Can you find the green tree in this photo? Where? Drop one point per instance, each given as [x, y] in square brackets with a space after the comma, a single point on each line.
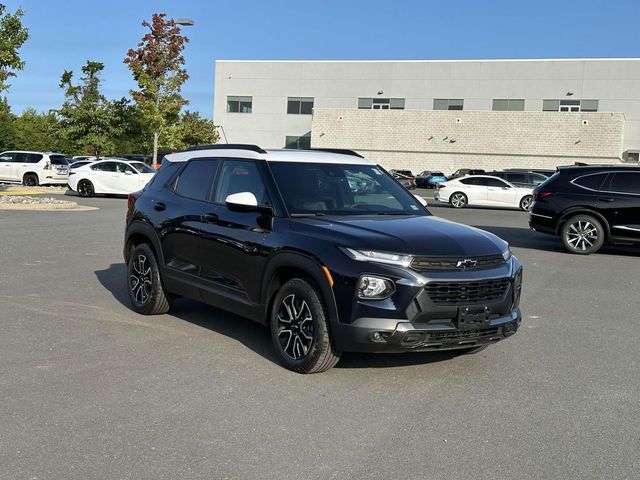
[7, 126]
[191, 130]
[158, 68]
[37, 131]
[12, 36]
[88, 120]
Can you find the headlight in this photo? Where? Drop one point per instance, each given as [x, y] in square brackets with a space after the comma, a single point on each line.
[506, 254]
[374, 288]
[379, 257]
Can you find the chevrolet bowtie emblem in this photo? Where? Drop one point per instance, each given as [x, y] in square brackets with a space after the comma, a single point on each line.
[466, 263]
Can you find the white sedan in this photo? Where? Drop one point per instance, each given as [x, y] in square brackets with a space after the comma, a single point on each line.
[483, 190]
[111, 176]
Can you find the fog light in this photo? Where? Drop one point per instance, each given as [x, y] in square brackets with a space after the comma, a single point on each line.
[380, 337]
[374, 288]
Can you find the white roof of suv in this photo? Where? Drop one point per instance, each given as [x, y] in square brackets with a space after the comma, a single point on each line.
[273, 155]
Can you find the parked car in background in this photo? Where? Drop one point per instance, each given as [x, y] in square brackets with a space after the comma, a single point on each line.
[278, 237]
[406, 173]
[588, 206]
[117, 177]
[430, 178]
[80, 158]
[407, 182]
[542, 171]
[33, 168]
[520, 179]
[483, 190]
[461, 172]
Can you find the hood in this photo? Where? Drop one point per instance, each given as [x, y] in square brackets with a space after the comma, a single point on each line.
[414, 235]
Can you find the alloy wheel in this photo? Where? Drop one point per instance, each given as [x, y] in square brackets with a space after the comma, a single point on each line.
[85, 189]
[295, 327]
[526, 203]
[140, 280]
[582, 235]
[458, 200]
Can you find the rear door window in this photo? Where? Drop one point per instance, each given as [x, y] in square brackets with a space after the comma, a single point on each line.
[20, 157]
[104, 167]
[7, 157]
[627, 182]
[591, 182]
[496, 182]
[197, 178]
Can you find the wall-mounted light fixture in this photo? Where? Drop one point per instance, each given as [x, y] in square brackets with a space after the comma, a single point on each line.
[380, 92]
[569, 93]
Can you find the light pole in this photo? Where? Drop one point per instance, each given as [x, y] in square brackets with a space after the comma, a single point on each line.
[185, 22]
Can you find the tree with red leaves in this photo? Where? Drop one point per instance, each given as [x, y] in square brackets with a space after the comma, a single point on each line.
[158, 68]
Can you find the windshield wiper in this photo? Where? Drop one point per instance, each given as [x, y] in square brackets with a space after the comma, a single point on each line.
[303, 215]
[394, 213]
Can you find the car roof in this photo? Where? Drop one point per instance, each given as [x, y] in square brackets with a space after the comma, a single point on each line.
[273, 155]
[596, 168]
[32, 151]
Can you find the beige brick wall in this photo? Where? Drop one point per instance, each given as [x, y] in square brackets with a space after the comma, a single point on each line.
[448, 140]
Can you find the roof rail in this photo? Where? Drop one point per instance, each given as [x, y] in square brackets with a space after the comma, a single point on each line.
[343, 151]
[226, 146]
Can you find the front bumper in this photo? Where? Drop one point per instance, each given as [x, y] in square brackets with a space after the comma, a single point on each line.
[391, 336]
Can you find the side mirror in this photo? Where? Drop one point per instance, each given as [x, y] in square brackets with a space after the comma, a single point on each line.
[422, 201]
[245, 202]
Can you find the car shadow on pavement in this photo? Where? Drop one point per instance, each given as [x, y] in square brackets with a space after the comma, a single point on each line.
[251, 334]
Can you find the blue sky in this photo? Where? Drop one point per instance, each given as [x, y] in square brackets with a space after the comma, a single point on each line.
[64, 34]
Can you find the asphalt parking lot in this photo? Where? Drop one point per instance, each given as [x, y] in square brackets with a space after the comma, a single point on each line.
[89, 389]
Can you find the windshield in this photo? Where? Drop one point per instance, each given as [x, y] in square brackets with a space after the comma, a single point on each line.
[335, 189]
[142, 167]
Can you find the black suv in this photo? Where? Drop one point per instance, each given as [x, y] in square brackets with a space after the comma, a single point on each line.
[588, 206]
[284, 238]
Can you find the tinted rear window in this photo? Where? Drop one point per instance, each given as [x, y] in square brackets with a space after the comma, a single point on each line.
[57, 160]
[592, 182]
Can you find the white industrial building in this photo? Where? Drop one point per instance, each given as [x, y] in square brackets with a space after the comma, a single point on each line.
[437, 114]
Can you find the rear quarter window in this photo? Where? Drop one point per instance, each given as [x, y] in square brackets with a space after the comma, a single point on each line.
[591, 182]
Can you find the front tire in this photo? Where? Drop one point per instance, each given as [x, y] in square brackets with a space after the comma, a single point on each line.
[458, 200]
[85, 188]
[300, 330]
[525, 203]
[144, 284]
[583, 235]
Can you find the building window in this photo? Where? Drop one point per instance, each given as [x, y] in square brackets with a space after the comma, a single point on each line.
[448, 103]
[570, 105]
[508, 105]
[302, 142]
[239, 104]
[300, 105]
[381, 103]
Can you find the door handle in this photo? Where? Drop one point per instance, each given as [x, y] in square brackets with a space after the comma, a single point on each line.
[608, 200]
[159, 207]
[211, 218]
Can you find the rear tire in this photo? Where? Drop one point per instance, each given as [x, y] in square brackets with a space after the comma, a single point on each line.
[300, 330]
[582, 235]
[30, 180]
[458, 200]
[144, 284]
[525, 203]
[85, 188]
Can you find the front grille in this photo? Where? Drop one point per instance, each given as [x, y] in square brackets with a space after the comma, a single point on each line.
[466, 293]
[452, 264]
